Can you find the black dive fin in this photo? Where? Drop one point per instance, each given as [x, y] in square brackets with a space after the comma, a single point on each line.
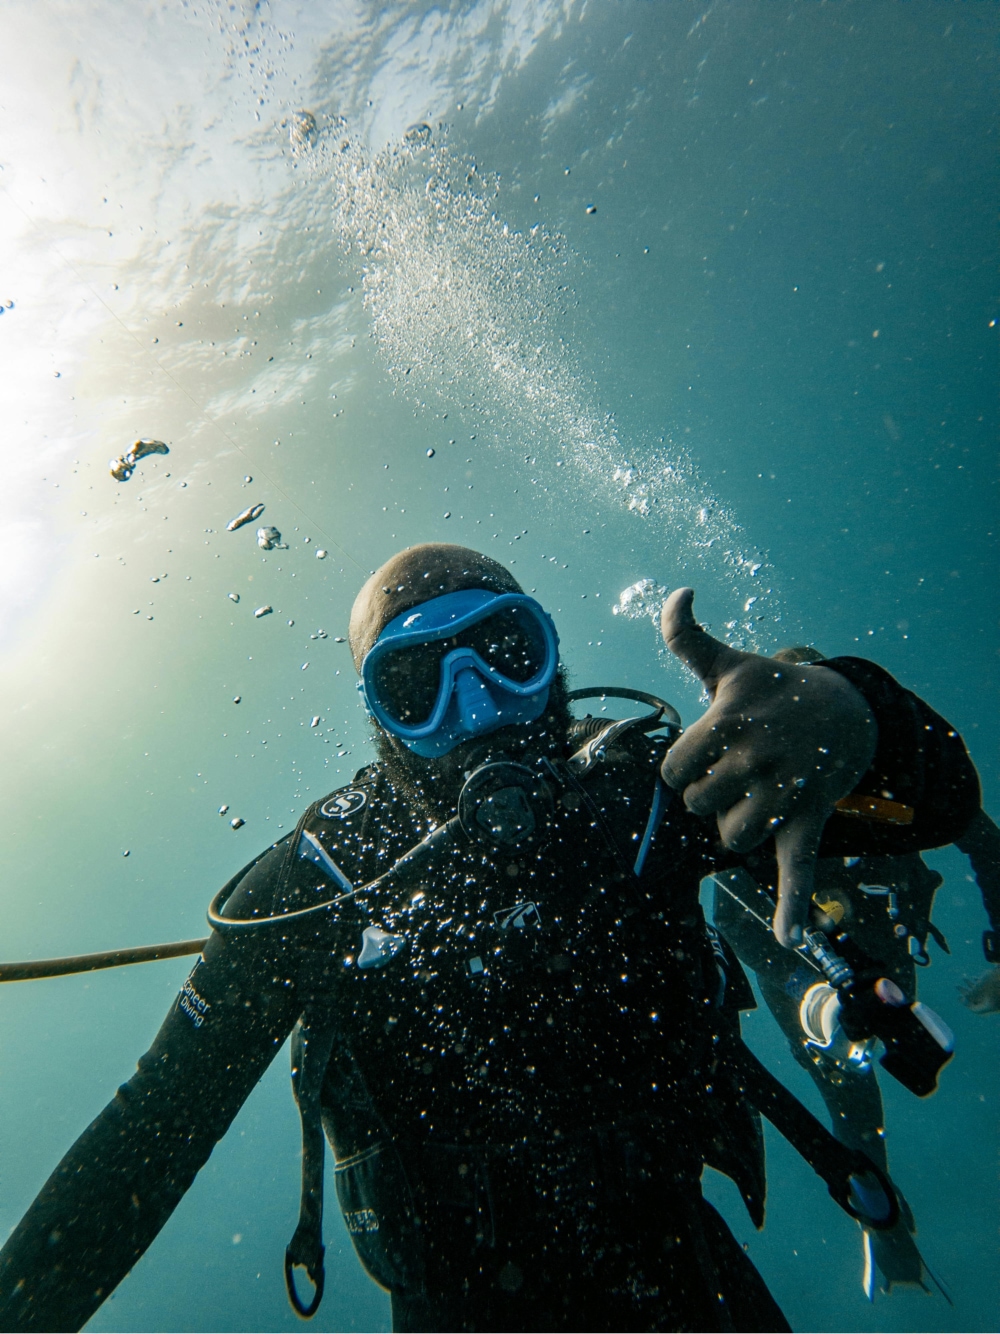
[895, 1256]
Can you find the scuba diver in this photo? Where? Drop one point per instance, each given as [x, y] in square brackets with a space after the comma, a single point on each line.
[884, 901]
[509, 1018]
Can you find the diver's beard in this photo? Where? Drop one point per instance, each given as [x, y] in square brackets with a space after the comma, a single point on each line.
[431, 786]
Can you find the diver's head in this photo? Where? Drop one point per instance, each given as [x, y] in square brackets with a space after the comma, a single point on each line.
[799, 654]
[414, 576]
[455, 660]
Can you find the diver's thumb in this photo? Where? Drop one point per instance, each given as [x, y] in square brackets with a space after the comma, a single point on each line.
[707, 657]
[795, 845]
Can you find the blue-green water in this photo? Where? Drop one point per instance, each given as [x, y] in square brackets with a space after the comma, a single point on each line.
[765, 365]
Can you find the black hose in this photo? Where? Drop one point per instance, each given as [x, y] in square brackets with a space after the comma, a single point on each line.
[86, 963]
[660, 706]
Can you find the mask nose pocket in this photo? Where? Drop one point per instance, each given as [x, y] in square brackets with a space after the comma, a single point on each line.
[377, 1206]
[476, 707]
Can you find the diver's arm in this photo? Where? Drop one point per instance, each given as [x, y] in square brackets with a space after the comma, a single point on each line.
[119, 1183]
[920, 762]
[981, 844]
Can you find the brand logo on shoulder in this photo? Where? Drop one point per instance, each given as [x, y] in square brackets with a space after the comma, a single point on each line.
[520, 916]
[342, 805]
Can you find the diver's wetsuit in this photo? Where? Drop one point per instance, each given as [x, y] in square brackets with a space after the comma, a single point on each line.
[520, 1100]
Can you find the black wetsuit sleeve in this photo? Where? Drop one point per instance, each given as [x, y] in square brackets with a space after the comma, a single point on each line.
[920, 761]
[119, 1183]
[981, 844]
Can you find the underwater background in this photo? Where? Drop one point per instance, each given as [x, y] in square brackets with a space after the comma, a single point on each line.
[628, 295]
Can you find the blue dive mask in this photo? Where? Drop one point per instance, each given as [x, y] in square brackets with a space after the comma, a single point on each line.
[460, 666]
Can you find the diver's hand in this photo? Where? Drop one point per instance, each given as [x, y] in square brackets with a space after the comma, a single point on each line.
[778, 747]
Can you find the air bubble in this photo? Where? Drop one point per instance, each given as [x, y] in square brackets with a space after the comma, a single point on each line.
[643, 598]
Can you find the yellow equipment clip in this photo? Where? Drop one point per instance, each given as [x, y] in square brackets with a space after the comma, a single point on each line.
[875, 808]
[833, 908]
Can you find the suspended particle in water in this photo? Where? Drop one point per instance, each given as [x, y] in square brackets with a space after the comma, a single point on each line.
[233, 597]
[237, 699]
[247, 516]
[340, 640]
[126, 853]
[591, 208]
[321, 554]
[263, 611]
[269, 538]
[123, 466]
[248, 479]
[447, 514]
[418, 134]
[430, 453]
[224, 809]
[315, 721]
[237, 823]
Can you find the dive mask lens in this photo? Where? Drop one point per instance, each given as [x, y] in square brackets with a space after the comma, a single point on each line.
[512, 642]
[407, 681]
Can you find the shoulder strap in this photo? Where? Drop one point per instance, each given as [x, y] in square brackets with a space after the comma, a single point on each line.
[312, 1042]
[847, 1172]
